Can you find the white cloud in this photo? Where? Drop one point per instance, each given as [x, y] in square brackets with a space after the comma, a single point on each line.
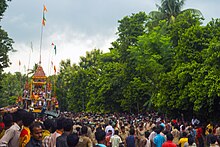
[69, 44]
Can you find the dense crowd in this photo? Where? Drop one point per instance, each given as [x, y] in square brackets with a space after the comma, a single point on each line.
[23, 129]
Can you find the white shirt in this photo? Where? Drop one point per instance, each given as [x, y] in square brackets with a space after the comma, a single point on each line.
[115, 141]
[11, 136]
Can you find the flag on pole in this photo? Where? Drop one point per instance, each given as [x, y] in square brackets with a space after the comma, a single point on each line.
[55, 69]
[55, 48]
[44, 20]
[45, 8]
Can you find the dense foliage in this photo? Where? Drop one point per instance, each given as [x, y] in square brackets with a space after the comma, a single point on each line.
[169, 67]
[5, 41]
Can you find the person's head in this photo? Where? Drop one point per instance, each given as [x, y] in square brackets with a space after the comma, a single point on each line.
[109, 132]
[28, 119]
[132, 131]
[7, 120]
[158, 130]
[84, 130]
[36, 130]
[116, 132]
[59, 122]
[213, 139]
[210, 131]
[169, 137]
[190, 140]
[67, 125]
[100, 136]
[72, 140]
[146, 134]
[184, 134]
[48, 124]
[154, 128]
[17, 116]
[183, 127]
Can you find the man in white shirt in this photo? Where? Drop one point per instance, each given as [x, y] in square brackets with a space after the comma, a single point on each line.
[115, 139]
[109, 127]
[11, 136]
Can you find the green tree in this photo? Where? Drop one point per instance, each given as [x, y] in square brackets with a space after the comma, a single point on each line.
[169, 10]
[12, 86]
[5, 41]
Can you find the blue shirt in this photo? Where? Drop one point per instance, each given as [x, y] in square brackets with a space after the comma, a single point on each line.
[130, 141]
[101, 145]
[159, 140]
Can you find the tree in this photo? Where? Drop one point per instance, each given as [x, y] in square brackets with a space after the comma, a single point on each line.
[12, 87]
[130, 27]
[169, 10]
[5, 41]
[191, 86]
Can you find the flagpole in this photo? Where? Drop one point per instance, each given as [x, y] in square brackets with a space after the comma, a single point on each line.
[42, 25]
[29, 61]
[41, 40]
[49, 62]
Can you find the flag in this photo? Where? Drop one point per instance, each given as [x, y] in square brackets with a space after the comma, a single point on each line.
[44, 20]
[19, 63]
[55, 70]
[55, 49]
[45, 9]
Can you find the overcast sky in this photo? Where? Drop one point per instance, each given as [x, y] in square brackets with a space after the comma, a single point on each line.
[75, 26]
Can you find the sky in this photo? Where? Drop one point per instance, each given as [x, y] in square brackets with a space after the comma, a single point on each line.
[74, 26]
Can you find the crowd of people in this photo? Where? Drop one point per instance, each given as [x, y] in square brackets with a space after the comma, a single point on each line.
[23, 129]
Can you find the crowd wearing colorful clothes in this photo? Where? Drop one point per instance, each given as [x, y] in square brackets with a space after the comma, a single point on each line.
[23, 129]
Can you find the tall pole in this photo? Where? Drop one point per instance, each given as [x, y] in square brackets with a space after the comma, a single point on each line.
[41, 40]
[42, 25]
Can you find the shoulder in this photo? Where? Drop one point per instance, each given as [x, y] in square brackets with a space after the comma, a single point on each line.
[24, 132]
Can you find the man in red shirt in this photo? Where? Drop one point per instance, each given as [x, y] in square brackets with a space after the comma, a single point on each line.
[169, 142]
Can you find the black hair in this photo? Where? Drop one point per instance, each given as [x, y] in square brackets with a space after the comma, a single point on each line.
[190, 140]
[132, 131]
[84, 130]
[169, 136]
[59, 123]
[28, 119]
[67, 124]
[72, 140]
[116, 132]
[158, 130]
[183, 128]
[184, 134]
[35, 125]
[7, 119]
[100, 135]
[48, 124]
[17, 116]
[146, 134]
[213, 139]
